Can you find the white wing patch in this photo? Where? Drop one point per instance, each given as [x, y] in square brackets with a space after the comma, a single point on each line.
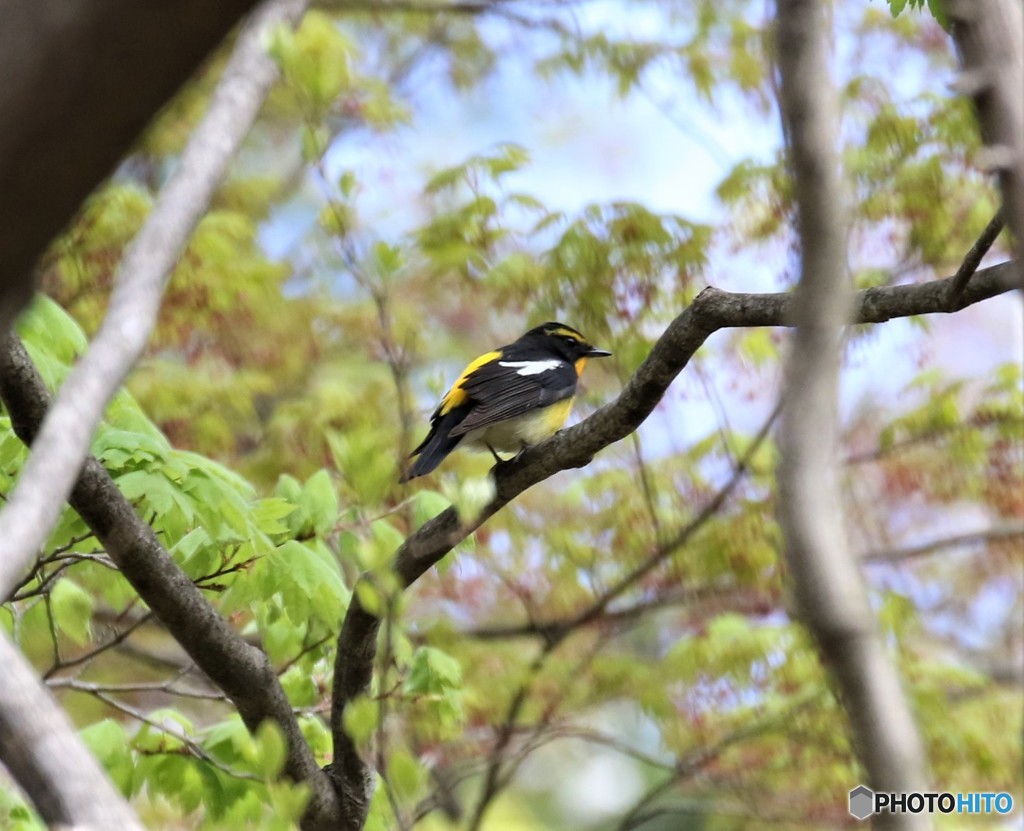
[531, 367]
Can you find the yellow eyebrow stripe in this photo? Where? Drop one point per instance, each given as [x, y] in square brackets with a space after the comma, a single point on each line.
[568, 333]
[456, 395]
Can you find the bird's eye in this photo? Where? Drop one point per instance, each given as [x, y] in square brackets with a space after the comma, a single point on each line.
[569, 339]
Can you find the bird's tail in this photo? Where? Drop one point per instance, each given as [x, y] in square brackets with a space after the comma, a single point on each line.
[431, 453]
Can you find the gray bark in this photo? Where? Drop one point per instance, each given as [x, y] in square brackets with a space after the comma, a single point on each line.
[831, 596]
[42, 751]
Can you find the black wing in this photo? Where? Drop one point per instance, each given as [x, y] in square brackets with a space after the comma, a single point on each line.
[505, 389]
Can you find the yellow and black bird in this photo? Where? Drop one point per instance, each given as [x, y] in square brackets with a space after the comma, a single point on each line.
[511, 398]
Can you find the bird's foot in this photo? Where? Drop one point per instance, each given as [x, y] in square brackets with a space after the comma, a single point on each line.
[497, 459]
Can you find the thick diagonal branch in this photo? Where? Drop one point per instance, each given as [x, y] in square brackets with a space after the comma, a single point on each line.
[831, 595]
[575, 447]
[242, 671]
[36, 501]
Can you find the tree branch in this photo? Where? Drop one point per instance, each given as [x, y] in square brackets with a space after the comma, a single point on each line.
[698, 603]
[712, 310]
[242, 671]
[989, 36]
[50, 472]
[40, 748]
[829, 589]
[1005, 531]
[974, 257]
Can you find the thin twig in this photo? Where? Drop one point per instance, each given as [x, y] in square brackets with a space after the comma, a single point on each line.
[974, 257]
[691, 763]
[686, 533]
[998, 532]
[194, 748]
[119, 637]
[505, 732]
[164, 687]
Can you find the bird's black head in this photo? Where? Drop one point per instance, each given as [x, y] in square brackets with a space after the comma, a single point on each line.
[564, 340]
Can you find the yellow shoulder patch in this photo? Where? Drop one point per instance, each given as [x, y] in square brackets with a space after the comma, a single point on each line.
[456, 395]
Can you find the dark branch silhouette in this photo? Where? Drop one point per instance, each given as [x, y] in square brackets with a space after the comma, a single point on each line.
[81, 81]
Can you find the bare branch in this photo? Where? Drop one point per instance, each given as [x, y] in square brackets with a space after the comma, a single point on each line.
[168, 687]
[974, 257]
[554, 632]
[698, 603]
[63, 442]
[506, 731]
[830, 593]
[989, 36]
[40, 748]
[999, 532]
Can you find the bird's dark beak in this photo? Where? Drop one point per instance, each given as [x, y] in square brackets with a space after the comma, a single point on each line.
[598, 353]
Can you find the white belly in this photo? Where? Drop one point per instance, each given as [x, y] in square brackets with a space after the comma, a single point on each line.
[523, 431]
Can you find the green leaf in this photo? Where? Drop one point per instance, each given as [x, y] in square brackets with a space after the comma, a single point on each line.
[406, 776]
[290, 490]
[272, 749]
[321, 502]
[299, 686]
[361, 718]
[46, 323]
[427, 505]
[184, 549]
[288, 802]
[316, 735]
[72, 610]
[309, 581]
[106, 740]
[370, 598]
[268, 513]
[226, 738]
[432, 671]
[386, 541]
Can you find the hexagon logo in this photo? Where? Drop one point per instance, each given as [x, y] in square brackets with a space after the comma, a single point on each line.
[862, 802]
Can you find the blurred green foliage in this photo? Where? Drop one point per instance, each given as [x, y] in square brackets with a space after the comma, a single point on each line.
[263, 434]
